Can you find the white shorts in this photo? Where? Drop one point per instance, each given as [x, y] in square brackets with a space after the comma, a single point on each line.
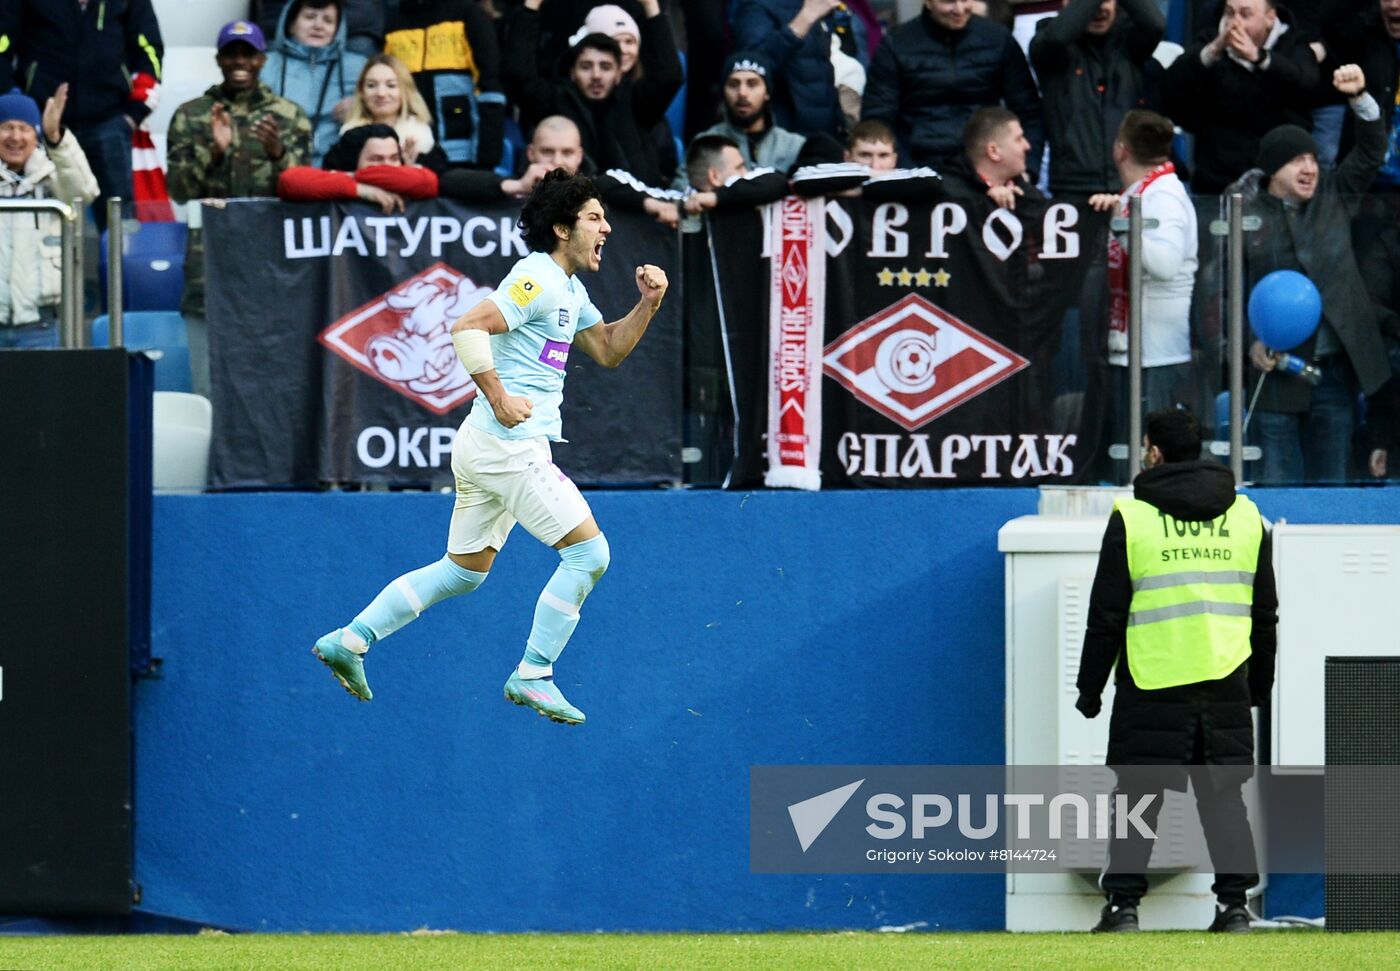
[504, 481]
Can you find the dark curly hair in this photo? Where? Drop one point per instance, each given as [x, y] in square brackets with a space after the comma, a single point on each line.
[555, 201]
[1176, 432]
[593, 42]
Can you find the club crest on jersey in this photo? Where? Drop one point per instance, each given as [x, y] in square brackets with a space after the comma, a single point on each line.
[523, 290]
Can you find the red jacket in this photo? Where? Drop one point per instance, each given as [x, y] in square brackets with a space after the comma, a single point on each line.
[302, 183]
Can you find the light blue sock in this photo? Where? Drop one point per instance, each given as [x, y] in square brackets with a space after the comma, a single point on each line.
[556, 612]
[411, 594]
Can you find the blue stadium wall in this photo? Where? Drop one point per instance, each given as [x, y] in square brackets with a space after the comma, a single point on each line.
[732, 630]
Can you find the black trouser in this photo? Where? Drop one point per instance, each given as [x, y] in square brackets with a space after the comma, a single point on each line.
[1220, 806]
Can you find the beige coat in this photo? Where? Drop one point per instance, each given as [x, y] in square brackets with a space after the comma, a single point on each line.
[30, 254]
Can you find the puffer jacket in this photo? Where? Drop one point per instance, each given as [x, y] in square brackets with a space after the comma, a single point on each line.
[30, 254]
[803, 86]
[1159, 727]
[451, 48]
[315, 78]
[925, 83]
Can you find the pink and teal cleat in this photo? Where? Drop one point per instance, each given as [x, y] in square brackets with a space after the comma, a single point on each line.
[347, 666]
[543, 695]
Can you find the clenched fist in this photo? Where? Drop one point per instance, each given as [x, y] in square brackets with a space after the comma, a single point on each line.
[652, 284]
[1349, 80]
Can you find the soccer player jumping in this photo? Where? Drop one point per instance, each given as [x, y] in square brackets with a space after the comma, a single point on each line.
[515, 344]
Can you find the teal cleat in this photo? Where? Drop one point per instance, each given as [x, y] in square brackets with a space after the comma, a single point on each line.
[347, 666]
[543, 695]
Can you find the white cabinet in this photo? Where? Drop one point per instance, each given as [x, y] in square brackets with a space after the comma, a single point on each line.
[1050, 564]
[1338, 587]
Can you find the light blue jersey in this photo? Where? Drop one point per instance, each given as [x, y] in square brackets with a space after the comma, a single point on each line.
[544, 308]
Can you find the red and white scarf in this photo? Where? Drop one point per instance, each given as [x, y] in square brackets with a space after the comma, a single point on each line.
[796, 312]
[1118, 267]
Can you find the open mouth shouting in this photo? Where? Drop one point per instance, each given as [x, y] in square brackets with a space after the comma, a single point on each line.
[1390, 17]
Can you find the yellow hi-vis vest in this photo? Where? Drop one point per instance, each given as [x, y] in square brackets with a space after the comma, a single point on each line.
[1193, 592]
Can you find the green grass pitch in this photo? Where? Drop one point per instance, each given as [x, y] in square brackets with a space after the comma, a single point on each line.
[1260, 951]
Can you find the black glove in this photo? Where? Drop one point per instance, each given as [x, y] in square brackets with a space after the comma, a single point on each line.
[1089, 705]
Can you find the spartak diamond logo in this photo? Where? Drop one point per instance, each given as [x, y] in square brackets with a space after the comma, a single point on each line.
[794, 273]
[402, 337]
[914, 361]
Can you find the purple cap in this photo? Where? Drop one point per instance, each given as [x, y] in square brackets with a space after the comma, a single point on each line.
[241, 30]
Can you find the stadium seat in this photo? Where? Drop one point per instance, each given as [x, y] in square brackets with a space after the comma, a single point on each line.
[506, 169]
[162, 332]
[154, 266]
[182, 427]
[513, 149]
[675, 113]
[192, 22]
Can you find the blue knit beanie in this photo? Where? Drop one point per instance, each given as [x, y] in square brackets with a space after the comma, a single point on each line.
[15, 105]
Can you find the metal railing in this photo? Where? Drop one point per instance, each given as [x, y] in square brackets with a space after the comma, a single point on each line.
[115, 247]
[70, 320]
[71, 329]
[1235, 319]
[1230, 230]
[1135, 416]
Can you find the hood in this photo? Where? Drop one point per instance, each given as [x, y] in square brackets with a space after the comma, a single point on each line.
[958, 168]
[37, 168]
[1282, 21]
[1250, 185]
[291, 48]
[1192, 491]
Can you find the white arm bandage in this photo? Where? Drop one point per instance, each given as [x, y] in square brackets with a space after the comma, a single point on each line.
[474, 350]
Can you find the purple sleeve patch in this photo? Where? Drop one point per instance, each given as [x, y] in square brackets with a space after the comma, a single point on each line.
[555, 354]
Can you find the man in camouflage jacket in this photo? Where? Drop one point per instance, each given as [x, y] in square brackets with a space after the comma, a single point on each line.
[232, 142]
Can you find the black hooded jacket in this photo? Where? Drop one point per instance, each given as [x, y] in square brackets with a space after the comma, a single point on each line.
[1159, 727]
[1229, 107]
[925, 82]
[616, 132]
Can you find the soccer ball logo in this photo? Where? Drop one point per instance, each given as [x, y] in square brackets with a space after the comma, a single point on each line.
[905, 361]
[913, 361]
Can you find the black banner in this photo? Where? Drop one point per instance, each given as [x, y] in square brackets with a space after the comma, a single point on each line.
[956, 348]
[331, 362]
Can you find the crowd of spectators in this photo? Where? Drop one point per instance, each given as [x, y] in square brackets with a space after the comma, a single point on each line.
[389, 100]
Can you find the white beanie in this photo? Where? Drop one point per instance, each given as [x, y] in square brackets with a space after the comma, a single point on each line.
[612, 20]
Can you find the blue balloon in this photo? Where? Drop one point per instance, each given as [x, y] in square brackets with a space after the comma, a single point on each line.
[1284, 309]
